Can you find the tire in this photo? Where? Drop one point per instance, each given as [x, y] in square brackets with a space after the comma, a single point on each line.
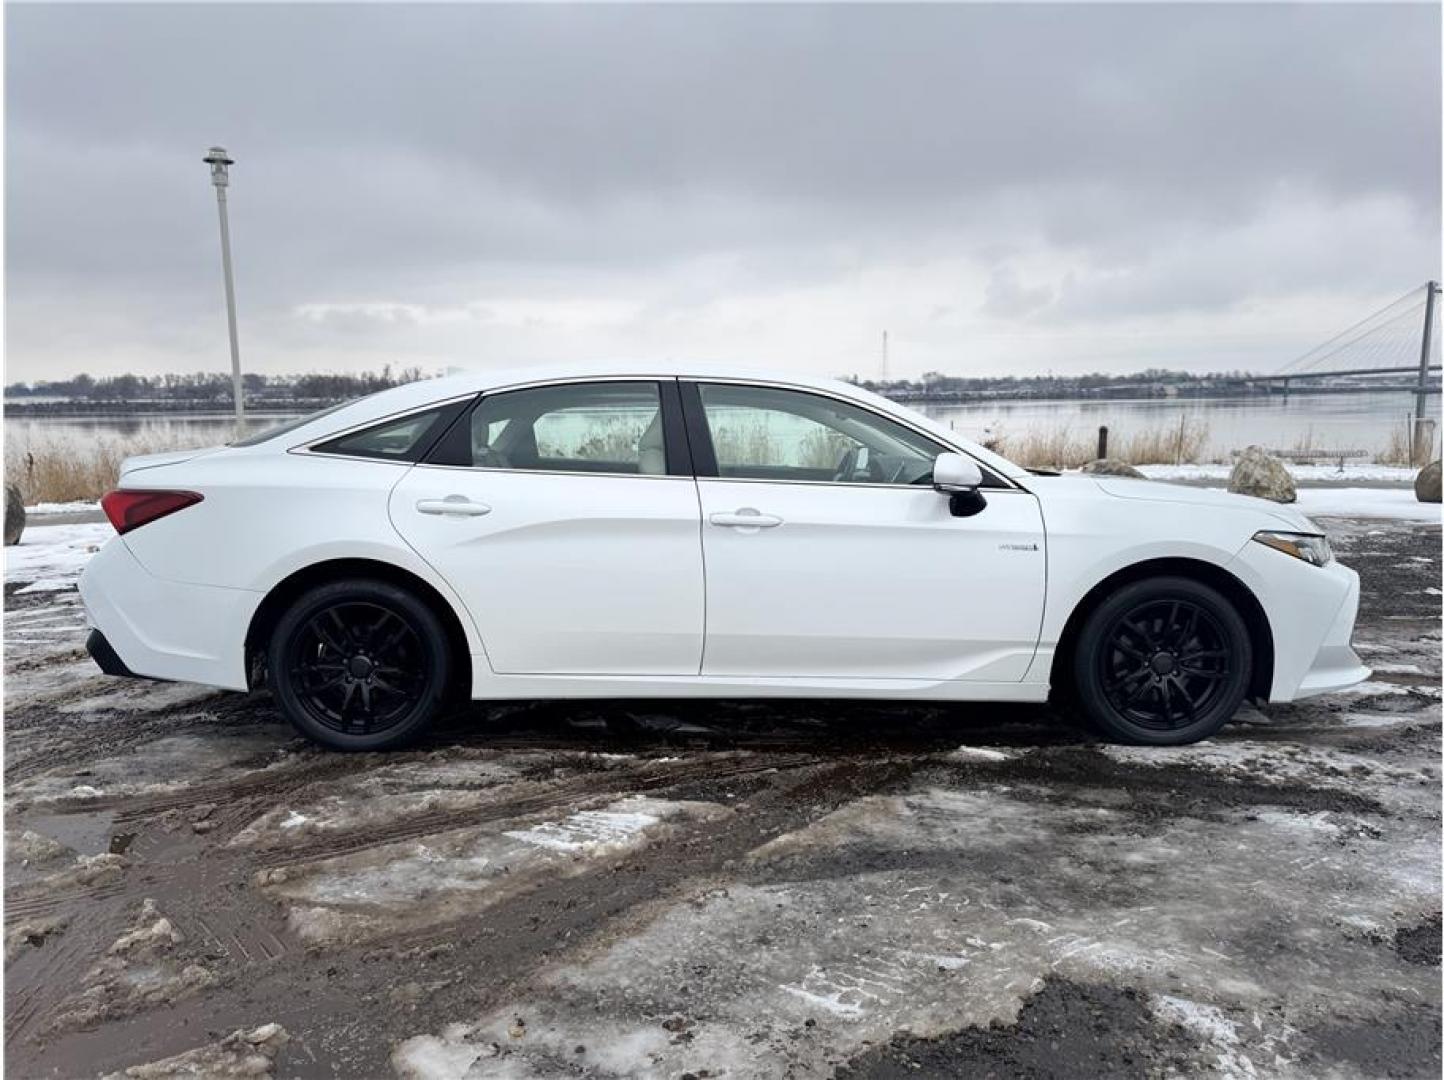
[1162, 662]
[359, 665]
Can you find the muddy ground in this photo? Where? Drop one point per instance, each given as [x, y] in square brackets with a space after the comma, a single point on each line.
[727, 889]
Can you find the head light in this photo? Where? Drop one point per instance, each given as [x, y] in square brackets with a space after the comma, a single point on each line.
[1311, 548]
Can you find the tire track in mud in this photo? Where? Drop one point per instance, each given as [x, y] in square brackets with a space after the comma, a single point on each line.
[573, 794]
[77, 738]
[244, 929]
[507, 941]
[38, 983]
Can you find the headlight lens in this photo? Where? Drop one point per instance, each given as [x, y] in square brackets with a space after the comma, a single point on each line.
[1311, 548]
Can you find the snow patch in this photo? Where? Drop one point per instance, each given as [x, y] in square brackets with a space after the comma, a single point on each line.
[586, 830]
[1355, 472]
[55, 554]
[978, 753]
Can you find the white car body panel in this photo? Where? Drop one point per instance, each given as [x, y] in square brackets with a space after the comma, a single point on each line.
[584, 585]
[869, 581]
[567, 574]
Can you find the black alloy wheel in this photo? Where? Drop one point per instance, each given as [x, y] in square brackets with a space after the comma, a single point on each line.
[359, 665]
[1163, 661]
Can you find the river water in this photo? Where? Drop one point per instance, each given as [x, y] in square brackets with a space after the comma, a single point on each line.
[1320, 421]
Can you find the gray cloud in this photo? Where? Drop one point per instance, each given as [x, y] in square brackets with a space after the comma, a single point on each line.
[452, 183]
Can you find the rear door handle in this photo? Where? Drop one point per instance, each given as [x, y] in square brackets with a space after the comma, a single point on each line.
[453, 506]
[746, 518]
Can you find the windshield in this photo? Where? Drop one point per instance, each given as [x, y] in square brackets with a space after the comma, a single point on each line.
[267, 434]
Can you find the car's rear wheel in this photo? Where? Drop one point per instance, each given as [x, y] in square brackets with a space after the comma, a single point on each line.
[359, 665]
[1163, 661]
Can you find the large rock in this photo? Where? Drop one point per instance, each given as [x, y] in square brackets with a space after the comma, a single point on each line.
[14, 515]
[1259, 474]
[1110, 466]
[1426, 484]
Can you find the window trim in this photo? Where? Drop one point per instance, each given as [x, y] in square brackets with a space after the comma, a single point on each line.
[674, 437]
[460, 401]
[705, 457]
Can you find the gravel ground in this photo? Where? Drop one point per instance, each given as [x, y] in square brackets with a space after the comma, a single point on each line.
[727, 889]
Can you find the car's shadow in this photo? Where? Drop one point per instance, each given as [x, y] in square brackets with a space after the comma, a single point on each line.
[831, 727]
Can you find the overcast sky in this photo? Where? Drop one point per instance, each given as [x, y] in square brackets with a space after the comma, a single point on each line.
[1003, 189]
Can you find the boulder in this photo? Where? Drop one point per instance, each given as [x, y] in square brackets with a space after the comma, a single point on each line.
[1258, 473]
[1426, 484]
[14, 515]
[1108, 466]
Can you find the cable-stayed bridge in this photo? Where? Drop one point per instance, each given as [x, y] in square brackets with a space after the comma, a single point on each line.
[1394, 349]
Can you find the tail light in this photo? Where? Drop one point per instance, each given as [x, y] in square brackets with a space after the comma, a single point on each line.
[129, 510]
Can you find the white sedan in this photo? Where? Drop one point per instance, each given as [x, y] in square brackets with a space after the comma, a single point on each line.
[634, 532]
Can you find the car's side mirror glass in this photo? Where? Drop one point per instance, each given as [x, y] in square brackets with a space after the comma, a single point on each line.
[959, 478]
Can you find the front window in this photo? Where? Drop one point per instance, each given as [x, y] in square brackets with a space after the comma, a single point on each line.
[575, 427]
[765, 433]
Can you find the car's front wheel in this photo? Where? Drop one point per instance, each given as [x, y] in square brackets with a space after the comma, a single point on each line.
[1163, 661]
[359, 664]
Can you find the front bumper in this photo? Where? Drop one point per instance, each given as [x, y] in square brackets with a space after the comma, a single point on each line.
[1336, 666]
[1311, 612]
[160, 629]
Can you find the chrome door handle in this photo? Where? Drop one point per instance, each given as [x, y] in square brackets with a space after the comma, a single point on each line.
[746, 518]
[453, 506]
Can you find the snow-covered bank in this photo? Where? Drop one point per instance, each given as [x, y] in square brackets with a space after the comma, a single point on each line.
[1397, 503]
[1366, 472]
[51, 557]
[83, 506]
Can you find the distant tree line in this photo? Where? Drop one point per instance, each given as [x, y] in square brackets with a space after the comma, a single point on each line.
[1151, 381]
[214, 388]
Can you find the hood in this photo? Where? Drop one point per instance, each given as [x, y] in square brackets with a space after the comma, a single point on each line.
[151, 461]
[1156, 491]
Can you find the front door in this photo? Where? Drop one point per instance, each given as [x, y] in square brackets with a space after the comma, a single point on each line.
[829, 554]
[558, 514]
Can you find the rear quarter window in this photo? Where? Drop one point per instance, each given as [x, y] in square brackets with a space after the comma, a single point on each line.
[404, 439]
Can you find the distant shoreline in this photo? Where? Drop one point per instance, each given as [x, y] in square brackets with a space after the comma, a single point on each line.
[20, 408]
[117, 410]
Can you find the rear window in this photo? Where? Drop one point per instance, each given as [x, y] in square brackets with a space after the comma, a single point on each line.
[404, 439]
[276, 431]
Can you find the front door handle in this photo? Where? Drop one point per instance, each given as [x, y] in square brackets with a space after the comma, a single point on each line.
[453, 506]
[746, 518]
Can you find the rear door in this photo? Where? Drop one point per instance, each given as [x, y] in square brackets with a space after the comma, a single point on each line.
[829, 554]
[566, 518]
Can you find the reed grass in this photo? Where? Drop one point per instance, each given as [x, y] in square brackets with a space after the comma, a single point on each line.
[1064, 448]
[60, 471]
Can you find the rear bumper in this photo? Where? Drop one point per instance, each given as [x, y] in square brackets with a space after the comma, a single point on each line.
[147, 626]
[105, 656]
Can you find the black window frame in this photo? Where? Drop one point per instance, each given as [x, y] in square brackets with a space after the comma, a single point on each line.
[447, 413]
[453, 449]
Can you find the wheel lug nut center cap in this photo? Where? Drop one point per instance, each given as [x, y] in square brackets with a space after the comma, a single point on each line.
[359, 667]
[1163, 664]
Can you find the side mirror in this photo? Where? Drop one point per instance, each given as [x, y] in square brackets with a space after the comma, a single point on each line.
[953, 473]
[959, 478]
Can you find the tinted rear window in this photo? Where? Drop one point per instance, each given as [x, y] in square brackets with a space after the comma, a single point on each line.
[406, 438]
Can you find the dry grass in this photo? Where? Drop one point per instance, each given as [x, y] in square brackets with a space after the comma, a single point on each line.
[1176, 444]
[1396, 450]
[1406, 446]
[56, 471]
[1063, 448]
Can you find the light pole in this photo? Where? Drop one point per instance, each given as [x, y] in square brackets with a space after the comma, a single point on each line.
[220, 176]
